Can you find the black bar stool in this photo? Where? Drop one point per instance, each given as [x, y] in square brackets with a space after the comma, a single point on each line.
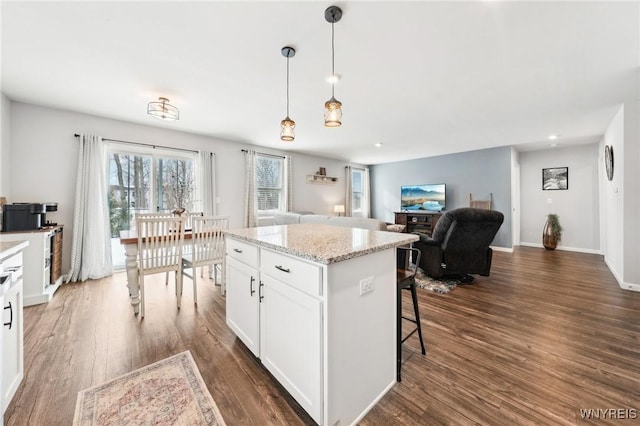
[407, 267]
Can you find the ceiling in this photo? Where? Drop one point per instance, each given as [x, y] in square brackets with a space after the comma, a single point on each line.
[422, 78]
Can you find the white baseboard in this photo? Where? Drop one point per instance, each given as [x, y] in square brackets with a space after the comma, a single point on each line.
[564, 248]
[505, 249]
[621, 283]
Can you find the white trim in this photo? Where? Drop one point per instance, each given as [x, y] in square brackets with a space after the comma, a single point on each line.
[621, 283]
[564, 248]
[504, 249]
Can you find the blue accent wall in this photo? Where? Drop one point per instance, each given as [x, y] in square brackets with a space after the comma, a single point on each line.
[480, 173]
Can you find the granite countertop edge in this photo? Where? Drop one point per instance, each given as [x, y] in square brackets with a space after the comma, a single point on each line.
[319, 259]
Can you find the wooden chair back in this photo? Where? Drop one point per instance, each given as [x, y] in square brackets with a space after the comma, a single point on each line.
[207, 239]
[160, 241]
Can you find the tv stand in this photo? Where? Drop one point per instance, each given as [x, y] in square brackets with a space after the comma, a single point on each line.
[422, 221]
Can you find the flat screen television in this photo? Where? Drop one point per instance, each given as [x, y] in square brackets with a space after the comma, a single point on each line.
[429, 197]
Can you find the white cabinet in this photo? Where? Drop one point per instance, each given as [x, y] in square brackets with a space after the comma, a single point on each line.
[13, 344]
[290, 341]
[242, 303]
[330, 342]
[38, 286]
[270, 310]
[11, 336]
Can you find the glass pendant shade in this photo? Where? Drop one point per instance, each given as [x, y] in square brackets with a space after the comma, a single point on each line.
[286, 130]
[163, 110]
[332, 113]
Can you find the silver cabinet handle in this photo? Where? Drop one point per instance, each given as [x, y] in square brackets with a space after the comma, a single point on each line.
[251, 286]
[280, 268]
[260, 291]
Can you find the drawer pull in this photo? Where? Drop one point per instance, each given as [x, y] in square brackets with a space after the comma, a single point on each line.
[251, 286]
[237, 250]
[280, 268]
[10, 323]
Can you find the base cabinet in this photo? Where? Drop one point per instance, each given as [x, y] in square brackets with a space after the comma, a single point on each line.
[13, 343]
[279, 323]
[328, 342]
[290, 333]
[243, 311]
[11, 335]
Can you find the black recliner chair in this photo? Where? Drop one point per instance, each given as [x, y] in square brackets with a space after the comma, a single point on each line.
[459, 244]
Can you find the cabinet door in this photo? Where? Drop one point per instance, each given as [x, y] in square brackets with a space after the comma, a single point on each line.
[12, 351]
[290, 346]
[243, 303]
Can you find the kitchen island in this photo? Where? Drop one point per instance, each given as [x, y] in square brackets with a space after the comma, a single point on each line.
[317, 305]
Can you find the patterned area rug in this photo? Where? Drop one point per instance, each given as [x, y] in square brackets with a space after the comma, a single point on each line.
[444, 285]
[167, 392]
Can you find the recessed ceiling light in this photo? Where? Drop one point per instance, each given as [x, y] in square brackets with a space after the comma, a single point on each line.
[553, 145]
[377, 145]
[553, 137]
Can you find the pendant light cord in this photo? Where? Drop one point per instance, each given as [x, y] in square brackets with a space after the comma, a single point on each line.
[287, 86]
[333, 54]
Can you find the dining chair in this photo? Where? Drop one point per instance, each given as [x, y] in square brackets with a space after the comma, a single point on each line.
[188, 217]
[160, 241]
[407, 268]
[206, 248]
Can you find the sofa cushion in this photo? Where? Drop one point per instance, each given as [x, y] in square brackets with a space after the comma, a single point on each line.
[287, 218]
[315, 218]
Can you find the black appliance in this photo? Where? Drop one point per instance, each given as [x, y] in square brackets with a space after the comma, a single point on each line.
[23, 216]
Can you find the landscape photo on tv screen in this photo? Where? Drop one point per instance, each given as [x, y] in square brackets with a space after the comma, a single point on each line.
[423, 197]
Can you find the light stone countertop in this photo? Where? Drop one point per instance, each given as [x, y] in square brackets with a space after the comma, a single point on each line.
[321, 243]
[11, 247]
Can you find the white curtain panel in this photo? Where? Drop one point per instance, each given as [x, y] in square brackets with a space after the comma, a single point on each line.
[366, 194]
[288, 184]
[91, 244]
[349, 191]
[207, 164]
[251, 194]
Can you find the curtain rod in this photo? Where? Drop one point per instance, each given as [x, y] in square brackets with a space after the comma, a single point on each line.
[262, 153]
[144, 144]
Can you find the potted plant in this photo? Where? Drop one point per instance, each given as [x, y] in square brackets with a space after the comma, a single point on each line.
[552, 232]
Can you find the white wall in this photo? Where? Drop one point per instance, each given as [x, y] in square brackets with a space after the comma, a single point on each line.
[576, 207]
[44, 152]
[5, 146]
[613, 197]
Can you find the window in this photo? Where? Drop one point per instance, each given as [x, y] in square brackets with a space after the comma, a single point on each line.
[269, 184]
[359, 192]
[143, 180]
[356, 192]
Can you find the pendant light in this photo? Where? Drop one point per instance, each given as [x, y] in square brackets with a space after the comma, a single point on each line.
[163, 110]
[333, 107]
[287, 125]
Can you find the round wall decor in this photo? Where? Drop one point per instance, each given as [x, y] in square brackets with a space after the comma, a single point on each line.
[608, 161]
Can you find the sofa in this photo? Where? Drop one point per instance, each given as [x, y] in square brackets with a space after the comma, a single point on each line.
[350, 222]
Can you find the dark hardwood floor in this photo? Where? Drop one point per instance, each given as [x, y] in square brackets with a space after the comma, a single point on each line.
[548, 334]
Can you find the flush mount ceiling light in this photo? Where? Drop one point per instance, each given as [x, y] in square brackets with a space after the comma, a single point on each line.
[163, 110]
[333, 107]
[287, 125]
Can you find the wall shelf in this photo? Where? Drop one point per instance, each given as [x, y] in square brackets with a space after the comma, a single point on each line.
[321, 179]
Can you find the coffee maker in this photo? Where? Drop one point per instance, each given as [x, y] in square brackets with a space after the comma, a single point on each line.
[23, 216]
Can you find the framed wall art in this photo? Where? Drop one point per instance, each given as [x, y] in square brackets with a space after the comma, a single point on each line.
[555, 178]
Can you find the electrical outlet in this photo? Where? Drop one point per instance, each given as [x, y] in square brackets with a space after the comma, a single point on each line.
[366, 285]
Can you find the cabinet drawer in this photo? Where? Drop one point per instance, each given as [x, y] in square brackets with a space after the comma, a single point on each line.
[244, 252]
[297, 273]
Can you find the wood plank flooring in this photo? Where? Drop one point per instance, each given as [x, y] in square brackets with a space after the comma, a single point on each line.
[548, 334]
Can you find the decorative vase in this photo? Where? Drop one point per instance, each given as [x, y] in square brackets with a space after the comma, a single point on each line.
[549, 241]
